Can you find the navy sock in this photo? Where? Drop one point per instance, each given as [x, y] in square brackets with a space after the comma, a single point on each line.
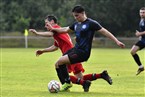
[65, 73]
[60, 76]
[137, 60]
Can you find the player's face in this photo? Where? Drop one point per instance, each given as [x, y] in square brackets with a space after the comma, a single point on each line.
[79, 16]
[46, 22]
[142, 13]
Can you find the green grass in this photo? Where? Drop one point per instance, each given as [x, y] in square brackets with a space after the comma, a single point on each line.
[24, 75]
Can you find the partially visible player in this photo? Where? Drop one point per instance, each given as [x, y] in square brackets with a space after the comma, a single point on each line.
[63, 41]
[141, 43]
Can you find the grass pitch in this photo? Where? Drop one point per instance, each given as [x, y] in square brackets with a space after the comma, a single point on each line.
[25, 75]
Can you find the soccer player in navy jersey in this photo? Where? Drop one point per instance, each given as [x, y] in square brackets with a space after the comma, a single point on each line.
[64, 43]
[84, 29]
[141, 43]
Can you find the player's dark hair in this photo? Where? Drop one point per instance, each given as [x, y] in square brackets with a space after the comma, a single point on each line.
[78, 9]
[143, 8]
[51, 17]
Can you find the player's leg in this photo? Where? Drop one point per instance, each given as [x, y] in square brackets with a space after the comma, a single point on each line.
[91, 77]
[60, 75]
[77, 79]
[94, 76]
[72, 56]
[77, 70]
[79, 75]
[63, 73]
[134, 49]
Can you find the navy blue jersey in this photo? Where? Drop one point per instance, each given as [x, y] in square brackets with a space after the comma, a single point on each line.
[84, 32]
[142, 28]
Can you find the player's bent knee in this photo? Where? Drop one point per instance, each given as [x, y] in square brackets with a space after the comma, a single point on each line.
[59, 62]
[63, 60]
[132, 52]
[56, 65]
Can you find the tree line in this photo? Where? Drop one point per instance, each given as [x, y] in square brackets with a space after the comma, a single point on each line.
[119, 16]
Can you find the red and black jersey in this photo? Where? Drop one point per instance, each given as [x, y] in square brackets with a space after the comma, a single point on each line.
[62, 40]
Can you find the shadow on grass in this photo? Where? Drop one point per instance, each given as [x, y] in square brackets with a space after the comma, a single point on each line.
[85, 94]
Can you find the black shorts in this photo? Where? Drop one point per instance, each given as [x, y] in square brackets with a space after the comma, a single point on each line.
[76, 55]
[140, 44]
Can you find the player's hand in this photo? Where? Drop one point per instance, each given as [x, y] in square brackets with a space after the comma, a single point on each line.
[122, 45]
[137, 33]
[33, 31]
[48, 26]
[39, 52]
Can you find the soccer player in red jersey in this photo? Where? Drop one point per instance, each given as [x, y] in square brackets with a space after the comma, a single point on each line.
[64, 43]
[84, 29]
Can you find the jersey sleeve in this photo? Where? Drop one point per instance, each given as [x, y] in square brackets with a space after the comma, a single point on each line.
[72, 27]
[95, 25]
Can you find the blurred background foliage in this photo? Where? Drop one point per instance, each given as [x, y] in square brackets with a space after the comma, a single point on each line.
[121, 17]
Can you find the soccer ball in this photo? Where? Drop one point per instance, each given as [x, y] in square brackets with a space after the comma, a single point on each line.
[53, 86]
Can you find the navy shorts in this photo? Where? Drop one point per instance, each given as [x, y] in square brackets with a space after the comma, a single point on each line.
[76, 55]
[140, 44]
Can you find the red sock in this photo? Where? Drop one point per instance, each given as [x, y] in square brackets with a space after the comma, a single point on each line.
[91, 77]
[76, 80]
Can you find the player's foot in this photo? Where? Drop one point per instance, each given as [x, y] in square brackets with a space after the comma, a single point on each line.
[86, 85]
[139, 70]
[68, 90]
[106, 77]
[65, 87]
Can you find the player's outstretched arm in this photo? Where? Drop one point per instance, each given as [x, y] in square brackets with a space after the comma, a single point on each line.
[44, 34]
[62, 30]
[46, 50]
[108, 34]
[59, 30]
